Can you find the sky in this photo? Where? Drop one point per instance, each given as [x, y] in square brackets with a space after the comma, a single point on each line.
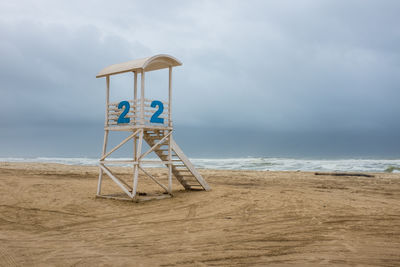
[313, 78]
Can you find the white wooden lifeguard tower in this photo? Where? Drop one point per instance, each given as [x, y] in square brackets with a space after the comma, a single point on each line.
[146, 120]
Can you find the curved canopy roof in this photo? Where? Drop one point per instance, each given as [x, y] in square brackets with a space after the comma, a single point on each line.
[147, 64]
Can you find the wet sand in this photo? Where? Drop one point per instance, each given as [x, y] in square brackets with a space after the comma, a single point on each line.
[49, 216]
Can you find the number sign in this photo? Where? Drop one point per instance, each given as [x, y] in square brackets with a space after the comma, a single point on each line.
[121, 118]
[154, 119]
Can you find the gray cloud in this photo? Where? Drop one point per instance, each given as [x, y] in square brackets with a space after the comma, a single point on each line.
[304, 67]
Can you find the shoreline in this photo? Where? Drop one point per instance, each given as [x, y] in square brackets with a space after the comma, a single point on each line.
[23, 165]
[259, 164]
[50, 216]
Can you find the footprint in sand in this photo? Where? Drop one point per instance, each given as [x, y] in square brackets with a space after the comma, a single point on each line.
[192, 211]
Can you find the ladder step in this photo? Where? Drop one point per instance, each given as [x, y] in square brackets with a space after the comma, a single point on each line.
[160, 154]
[196, 189]
[186, 179]
[183, 172]
[183, 176]
[192, 182]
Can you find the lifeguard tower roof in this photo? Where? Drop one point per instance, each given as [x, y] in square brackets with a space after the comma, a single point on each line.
[144, 64]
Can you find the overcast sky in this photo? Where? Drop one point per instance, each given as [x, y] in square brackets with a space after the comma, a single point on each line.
[259, 78]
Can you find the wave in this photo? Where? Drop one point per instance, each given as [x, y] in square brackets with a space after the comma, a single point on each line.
[251, 163]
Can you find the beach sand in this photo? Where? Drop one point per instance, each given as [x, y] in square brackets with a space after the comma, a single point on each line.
[50, 216]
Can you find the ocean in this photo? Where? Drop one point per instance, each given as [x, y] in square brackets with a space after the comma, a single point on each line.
[252, 163]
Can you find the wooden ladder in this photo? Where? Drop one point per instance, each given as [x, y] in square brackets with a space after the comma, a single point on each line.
[182, 168]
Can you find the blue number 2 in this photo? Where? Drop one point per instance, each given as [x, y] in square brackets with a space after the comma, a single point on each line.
[155, 118]
[121, 118]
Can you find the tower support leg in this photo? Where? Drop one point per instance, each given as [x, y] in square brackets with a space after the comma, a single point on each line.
[101, 170]
[170, 165]
[136, 166]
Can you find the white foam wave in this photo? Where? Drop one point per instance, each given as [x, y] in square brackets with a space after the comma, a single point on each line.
[250, 163]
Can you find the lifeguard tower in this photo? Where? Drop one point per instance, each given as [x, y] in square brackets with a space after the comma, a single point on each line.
[146, 120]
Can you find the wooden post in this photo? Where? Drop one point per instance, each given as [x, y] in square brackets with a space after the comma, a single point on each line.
[135, 86]
[170, 125]
[107, 99]
[105, 134]
[102, 155]
[135, 117]
[135, 95]
[140, 141]
[169, 96]
[170, 163]
[136, 167]
[142, 99]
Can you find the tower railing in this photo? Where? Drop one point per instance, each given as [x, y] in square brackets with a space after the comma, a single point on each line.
[127, 113]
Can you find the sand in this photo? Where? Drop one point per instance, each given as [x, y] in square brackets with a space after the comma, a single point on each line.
[50, 216]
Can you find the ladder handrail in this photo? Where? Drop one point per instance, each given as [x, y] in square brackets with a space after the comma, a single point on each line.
[182, 158]
[178, 151]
